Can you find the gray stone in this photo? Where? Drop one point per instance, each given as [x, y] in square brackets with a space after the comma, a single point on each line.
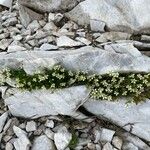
[43, 143]
[3, 119]
[33, 26]
[4, 43]
[9, 146]
[106, 135]
[123, 15]
[15, 48]
[113, 36]
[46, 47]
[62, 138]
[40, 103]
[31, 126]
[97, 25]
[129, 146]
[117, 142]
[49, 133]
[83, 40]
[10, 22]
[132, 116]
[107, 146]
[22, 142]
[6, 3]
[65, 41]
[50, 26]
[50, 124]
[17, 38]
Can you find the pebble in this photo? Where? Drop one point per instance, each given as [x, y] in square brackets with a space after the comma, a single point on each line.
[117, 142]
[3, 119]
[31, 126]
[47, 47]
[62, 138]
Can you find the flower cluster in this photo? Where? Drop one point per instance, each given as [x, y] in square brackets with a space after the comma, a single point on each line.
[105, 87]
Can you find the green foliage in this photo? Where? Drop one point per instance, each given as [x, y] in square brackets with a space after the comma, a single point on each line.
[105, 87]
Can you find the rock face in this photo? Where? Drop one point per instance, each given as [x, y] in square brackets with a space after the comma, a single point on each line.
[132, 118]
[122, 15]
[89, 59]
[43, 102]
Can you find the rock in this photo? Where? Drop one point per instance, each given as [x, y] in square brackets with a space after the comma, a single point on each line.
[15, 48]
[128, 138]
[40, 34]
[97, 25]
[50, 26]
[43, 143]
[126, 115]
[113, 36]
[6, 3]
[4, 35]
[17, 38]
[117, 142]
[3, 119]
[91, 146]
[129, 146]
[124, 16]
[46, 47]
[65, 41]
[42, 102]
[98, 147]
[4, 43]
[106, 135]
[49, 133]
[83, 40]
[9, 146]
[49, 124]
[145, 38]
[107, 146]
[33, 26]
[62, 138]
[124, 48]
[31, 126]
[10, 22]
[22, 142]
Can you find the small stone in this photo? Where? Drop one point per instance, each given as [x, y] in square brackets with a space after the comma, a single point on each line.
[49, 123]
[4, 35]
[107, 135]
[43, 143]
[107, 146]
[17, 38]
[51, 17]
[97, 25]
[49, 133]
[40, 34]
[98, 147]
[31, 126]
[46, 47]
[62, 138]
[34, 26]
[22, 142]
[4, 43]
[83, 40]
[117, 142]
[50, 26]
[58, 17]
[15, 48]
[65, 41]
[97, 135]
[10, 22]
[145, 38]
[3, 119]
[91, 146]
[9, 146]
[129, 146]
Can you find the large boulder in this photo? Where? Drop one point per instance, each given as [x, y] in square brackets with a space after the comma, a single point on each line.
[119, 15]
[32, 9]
[133, 118]
[88, 59]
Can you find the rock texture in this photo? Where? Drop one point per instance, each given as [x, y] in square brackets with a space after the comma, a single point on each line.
[123, 15]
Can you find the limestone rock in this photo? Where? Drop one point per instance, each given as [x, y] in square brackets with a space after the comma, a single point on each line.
[43, 143]
[22, 142]
[123, 15]
[62, 138]
[3, 119]
[31, 126]
[40, 103]
[65, 41]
